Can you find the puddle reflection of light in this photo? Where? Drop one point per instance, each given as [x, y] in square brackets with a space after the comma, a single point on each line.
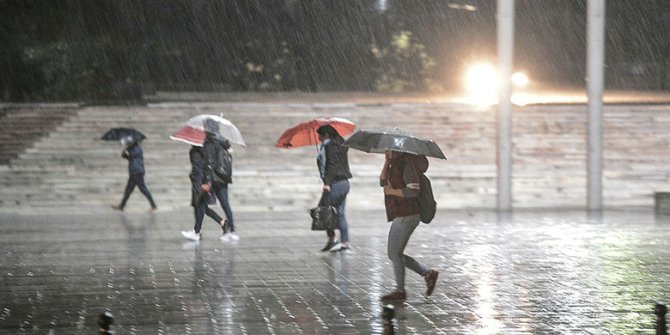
[486, 295]
[374, 289]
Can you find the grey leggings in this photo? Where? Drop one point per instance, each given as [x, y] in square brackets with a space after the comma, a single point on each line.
[401, 230]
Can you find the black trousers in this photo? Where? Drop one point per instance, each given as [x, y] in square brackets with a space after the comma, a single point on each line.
[136, 180]
[199, 210]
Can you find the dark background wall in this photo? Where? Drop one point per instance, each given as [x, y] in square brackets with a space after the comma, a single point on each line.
[98, 49]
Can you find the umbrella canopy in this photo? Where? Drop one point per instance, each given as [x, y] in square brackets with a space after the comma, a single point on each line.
[193, 130]
[393, 139]
[304, 134]
[118, 134]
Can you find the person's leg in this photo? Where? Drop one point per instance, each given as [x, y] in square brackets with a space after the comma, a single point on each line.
[130, 186]
[399, 234]
[329, 232]
[222, 194]
[213, 214]
[338, 199]
[199, 212]
[139, 179]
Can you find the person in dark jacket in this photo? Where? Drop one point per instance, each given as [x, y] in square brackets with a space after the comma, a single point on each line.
[134, 154]
[400, 180]
[199, 197]
[211, 183]
[334, 170]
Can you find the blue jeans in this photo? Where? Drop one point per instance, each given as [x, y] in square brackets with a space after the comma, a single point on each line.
[399, 234]
[221, 193]
[338, 199]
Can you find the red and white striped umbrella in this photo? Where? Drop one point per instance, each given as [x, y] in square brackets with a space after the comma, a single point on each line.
[193, 130]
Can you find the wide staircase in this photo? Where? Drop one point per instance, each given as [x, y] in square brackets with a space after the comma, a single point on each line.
[71, 169]
[20, 126]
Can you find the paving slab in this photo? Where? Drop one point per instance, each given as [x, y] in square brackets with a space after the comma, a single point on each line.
[530, 272]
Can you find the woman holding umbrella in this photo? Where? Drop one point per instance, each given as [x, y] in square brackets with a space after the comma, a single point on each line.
[199, 197]
[334, 171]
[400, 177]
[400, 180]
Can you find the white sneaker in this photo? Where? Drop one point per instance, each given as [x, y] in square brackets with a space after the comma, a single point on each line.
[234, 236]
[225, 237]
[191, 235]
[339, 247]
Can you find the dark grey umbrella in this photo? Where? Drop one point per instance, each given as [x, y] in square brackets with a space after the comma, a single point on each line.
[117, 134]
[393, 139]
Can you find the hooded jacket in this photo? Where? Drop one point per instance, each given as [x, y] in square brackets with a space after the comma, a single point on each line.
[209, 151]
[403, 173]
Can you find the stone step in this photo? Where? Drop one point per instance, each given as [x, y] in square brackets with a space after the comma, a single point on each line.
[72, 165]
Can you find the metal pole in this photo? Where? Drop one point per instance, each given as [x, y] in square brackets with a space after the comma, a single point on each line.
[595, 83]
[504, 118]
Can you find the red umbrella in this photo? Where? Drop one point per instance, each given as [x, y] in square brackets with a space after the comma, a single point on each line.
[304, 134]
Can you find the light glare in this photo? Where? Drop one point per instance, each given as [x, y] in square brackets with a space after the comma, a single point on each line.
[481, 82]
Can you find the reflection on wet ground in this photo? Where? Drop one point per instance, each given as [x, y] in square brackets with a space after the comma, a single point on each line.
[526, 273]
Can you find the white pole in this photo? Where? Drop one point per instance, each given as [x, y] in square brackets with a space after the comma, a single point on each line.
[504, 118]
[595, 83]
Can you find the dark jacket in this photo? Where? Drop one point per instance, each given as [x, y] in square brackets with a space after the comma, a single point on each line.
[135, 158]
[403, 170]
[209, 151]
[337, 162]
[197, 175]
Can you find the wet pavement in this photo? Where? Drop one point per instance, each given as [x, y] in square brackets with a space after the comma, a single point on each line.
[527, 273]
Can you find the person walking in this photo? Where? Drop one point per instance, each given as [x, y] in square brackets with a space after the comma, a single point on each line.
[135, 156]
[200, 199]
[400, 179]
[334, 170]
[212, 182]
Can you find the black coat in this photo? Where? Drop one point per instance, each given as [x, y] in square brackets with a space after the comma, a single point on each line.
[135, 158]
[337, 162]
[197, 176]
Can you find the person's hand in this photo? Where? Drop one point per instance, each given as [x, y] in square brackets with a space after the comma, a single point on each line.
[326, 188]
[206, 187]
[389, 190]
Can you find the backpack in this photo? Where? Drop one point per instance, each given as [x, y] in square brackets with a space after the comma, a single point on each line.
[223, 166]
[427, 204]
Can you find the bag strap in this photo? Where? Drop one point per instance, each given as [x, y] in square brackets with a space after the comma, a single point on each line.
[325, 199]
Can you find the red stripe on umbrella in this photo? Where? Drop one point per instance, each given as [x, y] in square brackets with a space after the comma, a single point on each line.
[190, 135]
[304, 134]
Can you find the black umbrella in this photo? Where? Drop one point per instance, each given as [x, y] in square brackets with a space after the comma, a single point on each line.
[393, 139]
[117, 134]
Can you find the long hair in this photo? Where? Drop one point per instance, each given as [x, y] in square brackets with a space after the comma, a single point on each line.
[329, 131]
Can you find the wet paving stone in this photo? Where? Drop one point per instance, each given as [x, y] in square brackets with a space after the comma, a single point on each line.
[526, 273]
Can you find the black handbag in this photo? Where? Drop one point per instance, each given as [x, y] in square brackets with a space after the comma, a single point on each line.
[324, 216]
